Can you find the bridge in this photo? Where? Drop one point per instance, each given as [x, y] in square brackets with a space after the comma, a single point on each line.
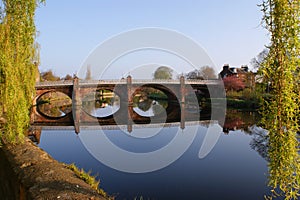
[76, 90]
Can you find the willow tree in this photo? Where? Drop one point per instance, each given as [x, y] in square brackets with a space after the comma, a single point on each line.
[17, 65]
[281, 114]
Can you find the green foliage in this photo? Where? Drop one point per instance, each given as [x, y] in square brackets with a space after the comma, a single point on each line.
[163, 73]
[246, 94]
[242, 104]
[17, 54]
[88, 178]
[281, 110]
[158, 95]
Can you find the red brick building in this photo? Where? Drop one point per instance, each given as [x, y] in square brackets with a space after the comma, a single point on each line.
[243, 73]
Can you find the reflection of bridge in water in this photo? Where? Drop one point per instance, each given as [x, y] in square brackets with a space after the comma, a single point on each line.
[36, 130]
[124, 126]
[235, 120]
[177, 92]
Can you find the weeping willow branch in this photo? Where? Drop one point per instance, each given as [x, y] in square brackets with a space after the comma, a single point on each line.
[17, 68]
[281, 112]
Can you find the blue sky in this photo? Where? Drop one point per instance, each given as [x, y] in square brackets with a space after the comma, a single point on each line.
[228, 30]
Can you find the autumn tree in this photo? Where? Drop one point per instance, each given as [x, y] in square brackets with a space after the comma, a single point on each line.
[67, 77]
[49, 76]
[232, 83]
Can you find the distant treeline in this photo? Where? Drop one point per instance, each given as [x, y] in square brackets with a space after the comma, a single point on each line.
[50, 76]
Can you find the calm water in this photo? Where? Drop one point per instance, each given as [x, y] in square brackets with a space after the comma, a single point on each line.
[231, 170]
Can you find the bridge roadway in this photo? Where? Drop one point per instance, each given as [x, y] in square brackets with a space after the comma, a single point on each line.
[176, 91]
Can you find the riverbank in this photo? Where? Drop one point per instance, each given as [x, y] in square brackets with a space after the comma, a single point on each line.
[232, 103]
[36, 175]
[246, 100]
[242, 104]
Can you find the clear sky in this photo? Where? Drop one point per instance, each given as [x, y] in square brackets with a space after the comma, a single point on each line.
[228, 30]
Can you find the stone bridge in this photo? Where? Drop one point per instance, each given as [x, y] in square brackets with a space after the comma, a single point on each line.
[175, 90]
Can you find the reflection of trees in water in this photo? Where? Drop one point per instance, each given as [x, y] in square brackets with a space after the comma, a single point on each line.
[238, 120]
[279, 152]
[150, 98]
[284, 164]
[144, 105]
[158, 109]
[100, 99]
[88, 106]
[260, 141]
[246, 121]
[34, 134]
[54, 104]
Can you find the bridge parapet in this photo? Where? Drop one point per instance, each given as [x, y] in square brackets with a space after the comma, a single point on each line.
[123, 81]
[204, 82]
[54, 83]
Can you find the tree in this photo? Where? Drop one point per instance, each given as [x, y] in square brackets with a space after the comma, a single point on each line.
[195, 74]
[17, 69]
[68, 77]
[208, 72]
[257, 61]
[163, 72]
[49, 76]
[88, 75]
[232, 83]
[204, 72]
[281, 110]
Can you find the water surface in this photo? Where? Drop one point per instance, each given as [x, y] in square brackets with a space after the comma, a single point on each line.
[232, 170]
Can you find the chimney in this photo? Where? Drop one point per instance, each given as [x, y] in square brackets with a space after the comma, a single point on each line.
[226, 67]
[245, 68]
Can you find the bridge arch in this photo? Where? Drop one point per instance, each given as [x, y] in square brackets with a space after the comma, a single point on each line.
[98, 100]
[171, 92]
[173, 101]
[56, 111]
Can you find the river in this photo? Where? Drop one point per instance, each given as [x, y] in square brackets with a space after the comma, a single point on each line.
[151, 162]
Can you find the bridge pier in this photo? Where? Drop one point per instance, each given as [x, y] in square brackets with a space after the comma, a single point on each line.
[182, 102]
[76, 104]
[130, 104]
